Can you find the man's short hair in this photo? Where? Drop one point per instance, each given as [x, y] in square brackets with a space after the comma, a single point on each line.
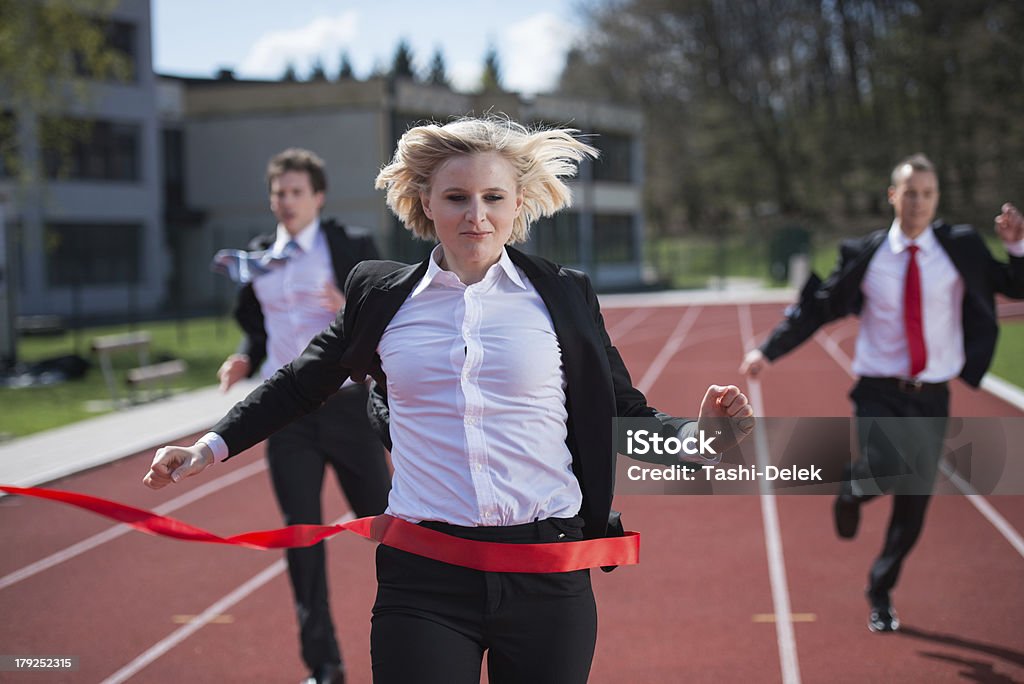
[916, 162]
[298, 159]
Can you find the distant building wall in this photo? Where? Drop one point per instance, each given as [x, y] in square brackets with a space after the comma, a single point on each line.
[174, 170]
[91, 243]
[231, 128]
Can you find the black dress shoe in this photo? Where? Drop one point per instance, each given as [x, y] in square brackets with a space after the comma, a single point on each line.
[883, 619]
[846, 513]
[332, 673]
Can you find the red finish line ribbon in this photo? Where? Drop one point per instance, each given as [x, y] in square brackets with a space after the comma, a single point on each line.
[386, 529]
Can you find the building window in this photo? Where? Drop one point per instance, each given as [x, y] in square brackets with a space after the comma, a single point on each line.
[8, 143]
[120, 38]
[174, 168]
[80, 254]
[614, 239]
[616, 161]
[91, 150]
[558, 237]
[402, 122]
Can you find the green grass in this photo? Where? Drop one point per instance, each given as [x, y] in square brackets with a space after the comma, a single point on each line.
[688, 263]
[202, 343]
[824, 259]
[1009, 361]
[692, 262]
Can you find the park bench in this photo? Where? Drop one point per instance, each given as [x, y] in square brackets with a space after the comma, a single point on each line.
[39, 325]
[140, 378]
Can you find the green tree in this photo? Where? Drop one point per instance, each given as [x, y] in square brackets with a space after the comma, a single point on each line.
[490, 80]
[318, 73]
[438, 72]
[51, 56]
[798, 108]
[401, 63]
[345, 70]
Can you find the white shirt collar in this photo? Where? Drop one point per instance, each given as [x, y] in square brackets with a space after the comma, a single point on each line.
[305, 238]
[898, 242]
[435, 271]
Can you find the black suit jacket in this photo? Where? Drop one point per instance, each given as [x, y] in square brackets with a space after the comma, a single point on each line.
[840, 294]
[347, 249]
[598, 384]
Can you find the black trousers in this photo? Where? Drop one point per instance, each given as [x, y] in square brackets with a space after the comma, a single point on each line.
[901, 435]
[337, 434]
[432, 621]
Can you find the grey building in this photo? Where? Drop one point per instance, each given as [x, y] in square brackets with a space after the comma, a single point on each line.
[220, 133]
[172, 170]
[89, 233]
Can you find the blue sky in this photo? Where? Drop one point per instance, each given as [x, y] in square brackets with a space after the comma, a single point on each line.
[258, 38]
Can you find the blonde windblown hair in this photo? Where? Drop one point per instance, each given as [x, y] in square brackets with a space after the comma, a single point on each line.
[541, 159]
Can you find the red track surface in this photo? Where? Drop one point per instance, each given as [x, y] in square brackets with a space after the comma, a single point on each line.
[700, 606]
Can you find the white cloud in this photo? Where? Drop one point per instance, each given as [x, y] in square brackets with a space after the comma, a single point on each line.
[324, 38]
[465, 75]
[532, 52]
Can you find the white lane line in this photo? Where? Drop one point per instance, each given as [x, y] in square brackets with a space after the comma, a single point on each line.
[628, 323]
[829, 344]
[182, 633]
[985, 508]
[215, 609]
[1001, 524]
[1007, 391]
[669, 349]
[772, 532]
[118, 530]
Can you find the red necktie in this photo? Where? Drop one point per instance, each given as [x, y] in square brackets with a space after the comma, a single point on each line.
[912, 318]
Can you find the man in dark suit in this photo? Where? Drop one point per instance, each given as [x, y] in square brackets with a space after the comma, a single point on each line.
[290, 293]
[924, 292]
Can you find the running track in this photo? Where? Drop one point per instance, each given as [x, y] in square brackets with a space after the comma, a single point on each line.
[730, 588]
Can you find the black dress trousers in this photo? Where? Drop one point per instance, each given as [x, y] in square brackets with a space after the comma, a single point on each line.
[337, 434]
[432, 622]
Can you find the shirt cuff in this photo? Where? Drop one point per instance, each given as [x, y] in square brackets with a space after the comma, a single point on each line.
[217, 445]
[690, 430]
[1015, 249]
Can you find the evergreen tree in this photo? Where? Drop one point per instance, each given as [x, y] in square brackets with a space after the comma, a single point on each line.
[490, 80]
[401, 65]
[438, 74]
[345, 70]
[318, 73]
